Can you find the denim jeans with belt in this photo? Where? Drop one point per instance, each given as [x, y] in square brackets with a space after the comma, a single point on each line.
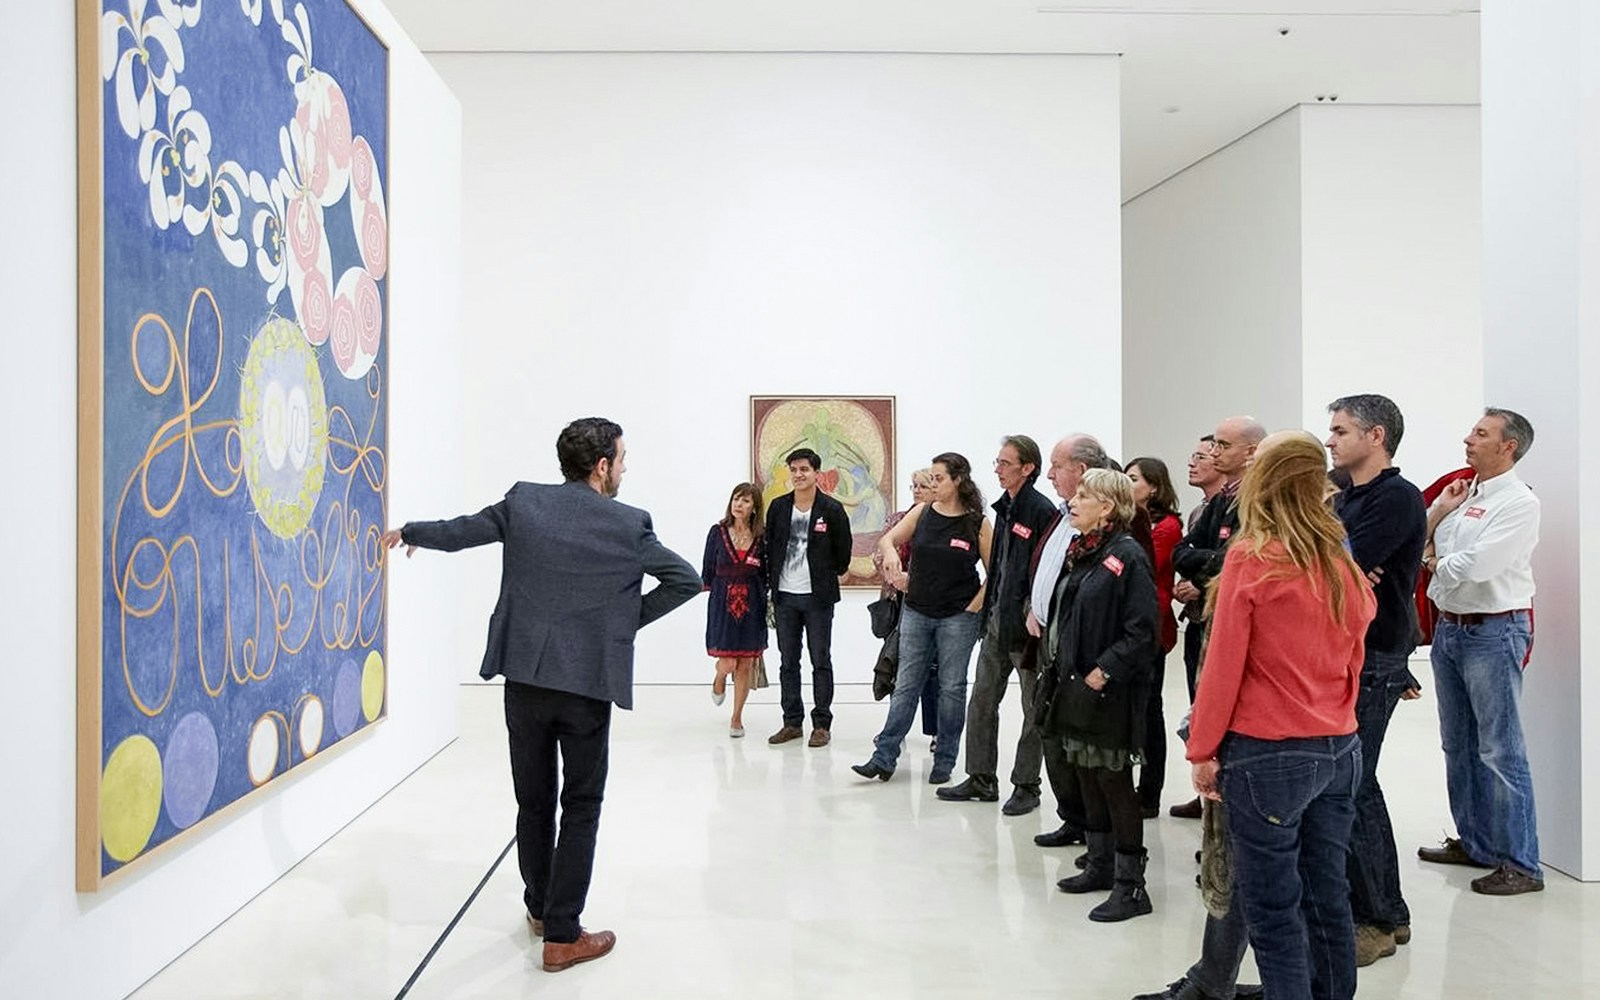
[943, 645]
[1477, 673]
[1374, 868]
[1290, 806]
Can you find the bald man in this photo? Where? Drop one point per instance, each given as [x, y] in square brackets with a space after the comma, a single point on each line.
[1198, 558]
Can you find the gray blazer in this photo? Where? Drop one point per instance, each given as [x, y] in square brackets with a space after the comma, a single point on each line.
[571, 585]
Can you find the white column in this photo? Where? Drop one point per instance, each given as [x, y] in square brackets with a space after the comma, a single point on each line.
[1541, 293]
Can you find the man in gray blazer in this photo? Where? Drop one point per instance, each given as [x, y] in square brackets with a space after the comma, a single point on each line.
[562, 636]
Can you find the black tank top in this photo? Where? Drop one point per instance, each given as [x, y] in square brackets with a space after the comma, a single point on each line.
[944, 564]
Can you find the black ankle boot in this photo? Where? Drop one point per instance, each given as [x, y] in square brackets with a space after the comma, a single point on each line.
[1098, 873]
[1128, 898]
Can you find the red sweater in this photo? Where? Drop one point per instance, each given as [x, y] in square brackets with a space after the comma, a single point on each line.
[1278, 666]
[1166, 534]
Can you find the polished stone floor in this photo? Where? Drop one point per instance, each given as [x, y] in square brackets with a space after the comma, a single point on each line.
[729, 868]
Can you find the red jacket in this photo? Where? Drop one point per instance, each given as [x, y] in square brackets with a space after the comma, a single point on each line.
[1427, 614]
[1165, 535]
[1277, 665]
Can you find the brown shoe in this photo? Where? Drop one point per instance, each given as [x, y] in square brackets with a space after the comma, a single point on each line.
[1402, 933]
[785, 735]
[1450, 853]
[1372, 944]
[1507, 881]
[819, 738]
[537, 925]
[587, 948]
[1188, 810]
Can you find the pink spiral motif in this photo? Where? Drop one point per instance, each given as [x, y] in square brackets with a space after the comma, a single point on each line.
[305, 232]
[375, 240]
[368, 314]
[316, 305]
[336, 131]
[342, 334]
[362, 167]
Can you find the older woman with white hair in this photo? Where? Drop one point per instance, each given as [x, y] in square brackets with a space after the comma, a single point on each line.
[1097, 655]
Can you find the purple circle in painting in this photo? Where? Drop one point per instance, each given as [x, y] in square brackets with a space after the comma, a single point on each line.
[189, 769]
[347, 699]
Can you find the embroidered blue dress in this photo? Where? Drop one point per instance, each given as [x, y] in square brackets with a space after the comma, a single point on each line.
[736, 615]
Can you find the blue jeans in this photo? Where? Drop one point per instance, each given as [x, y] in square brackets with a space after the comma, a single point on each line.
[1477, 673]
[1221, 953]
[943, 645]
[1290, 806]
[1374, 868]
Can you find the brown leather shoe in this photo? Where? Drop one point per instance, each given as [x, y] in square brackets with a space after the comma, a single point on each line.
[1186, 810]
[819, 738]
[537, 925]
[785, 735]
[1372, 944]
[1450, 853]
[1507, 881]
[587, 948]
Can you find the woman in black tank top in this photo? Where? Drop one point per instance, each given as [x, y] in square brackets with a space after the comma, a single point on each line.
[940, 621]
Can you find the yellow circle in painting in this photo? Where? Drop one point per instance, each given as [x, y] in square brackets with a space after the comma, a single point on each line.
[372, 686]
[130, 797]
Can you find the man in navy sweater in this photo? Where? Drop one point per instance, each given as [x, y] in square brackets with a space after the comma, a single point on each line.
[1388, 526]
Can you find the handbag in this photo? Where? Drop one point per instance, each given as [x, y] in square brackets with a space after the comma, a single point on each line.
[885, 615]
[758, 673]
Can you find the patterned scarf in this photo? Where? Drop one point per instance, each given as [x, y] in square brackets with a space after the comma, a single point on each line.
[1085, 544]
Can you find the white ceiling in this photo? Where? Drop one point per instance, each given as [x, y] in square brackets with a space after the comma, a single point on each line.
[1223, 64]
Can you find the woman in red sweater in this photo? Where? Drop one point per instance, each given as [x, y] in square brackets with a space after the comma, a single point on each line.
[1155, 495]
[1273, 735]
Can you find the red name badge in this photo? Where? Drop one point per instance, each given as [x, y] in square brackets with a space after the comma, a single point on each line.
[1022, 531]
[1476, 513]
[960, 543]
[752, 561]
[821, 526]
[1113, 564]
[1224, 534]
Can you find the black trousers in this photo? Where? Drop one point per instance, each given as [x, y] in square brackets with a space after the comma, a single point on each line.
[794, 614]
[1194, 642]
[1153, 772]
[1063, 779]
[545, 726]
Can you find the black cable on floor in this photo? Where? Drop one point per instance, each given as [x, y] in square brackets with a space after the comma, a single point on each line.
[453, 921]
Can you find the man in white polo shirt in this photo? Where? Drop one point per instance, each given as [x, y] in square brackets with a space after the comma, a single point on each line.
[1481, 536]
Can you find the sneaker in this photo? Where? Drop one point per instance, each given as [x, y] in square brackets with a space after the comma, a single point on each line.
[1372, 944]
[785, 735]
[1507, 881]
[1451, 852]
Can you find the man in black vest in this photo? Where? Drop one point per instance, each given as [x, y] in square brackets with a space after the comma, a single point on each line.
[808, 549]
[571, 599]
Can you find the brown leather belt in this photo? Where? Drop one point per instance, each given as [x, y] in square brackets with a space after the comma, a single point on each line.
[1477, 617]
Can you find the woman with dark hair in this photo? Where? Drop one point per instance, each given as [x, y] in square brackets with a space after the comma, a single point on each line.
[736, 615]
[1273, 735]
[921, 492]
[948, 535]
[1154, 494]
[1096, 654]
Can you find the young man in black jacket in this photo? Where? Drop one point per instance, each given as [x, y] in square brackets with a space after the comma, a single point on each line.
[808, 550]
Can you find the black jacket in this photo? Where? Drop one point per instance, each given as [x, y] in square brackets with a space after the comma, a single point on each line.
[1388, 525]
[827, 549]
[1019, 523]
[1198, 558]
[1105, 604]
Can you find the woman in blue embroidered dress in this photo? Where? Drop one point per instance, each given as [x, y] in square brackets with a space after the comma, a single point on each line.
[736, 615]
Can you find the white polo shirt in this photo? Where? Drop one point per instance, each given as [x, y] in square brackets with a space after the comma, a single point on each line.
[1484, 549]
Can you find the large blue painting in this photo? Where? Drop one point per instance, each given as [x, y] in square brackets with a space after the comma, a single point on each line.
[234, 431]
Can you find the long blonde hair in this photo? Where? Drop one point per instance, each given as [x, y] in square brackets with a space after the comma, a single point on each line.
[1284, 499]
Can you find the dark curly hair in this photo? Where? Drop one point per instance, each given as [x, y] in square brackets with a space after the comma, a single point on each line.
[967, 493]
[583, 443]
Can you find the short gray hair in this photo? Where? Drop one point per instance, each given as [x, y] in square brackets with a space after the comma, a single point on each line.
[1114, 488]
[1370, 410]
[1517, 428]
[1086, 449]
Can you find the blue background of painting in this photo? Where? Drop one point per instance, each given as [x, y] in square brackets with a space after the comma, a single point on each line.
[235, 72]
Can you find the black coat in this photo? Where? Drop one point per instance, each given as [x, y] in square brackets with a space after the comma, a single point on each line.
[1106, 603]
[827, 549]
[1019, 523]
[1198, 558]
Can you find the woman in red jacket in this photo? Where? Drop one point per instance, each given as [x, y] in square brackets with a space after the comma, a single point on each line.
[1273, 735]
[1155, 495]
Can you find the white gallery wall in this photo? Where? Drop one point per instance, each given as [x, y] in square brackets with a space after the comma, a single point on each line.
[656, 237]
[1211, 297]
[1334, 250]
[53, 941]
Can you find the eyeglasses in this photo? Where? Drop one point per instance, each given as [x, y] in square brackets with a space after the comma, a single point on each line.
[1005, 463]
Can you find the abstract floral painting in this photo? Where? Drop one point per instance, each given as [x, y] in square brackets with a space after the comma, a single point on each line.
[855, 437]
[234, 253]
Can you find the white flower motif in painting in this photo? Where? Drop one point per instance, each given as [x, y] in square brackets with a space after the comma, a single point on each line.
[252, 10]
[229, 189]
[181, 13]
[151, 63]
[174, 162]
[368, 216]
[267, 233]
